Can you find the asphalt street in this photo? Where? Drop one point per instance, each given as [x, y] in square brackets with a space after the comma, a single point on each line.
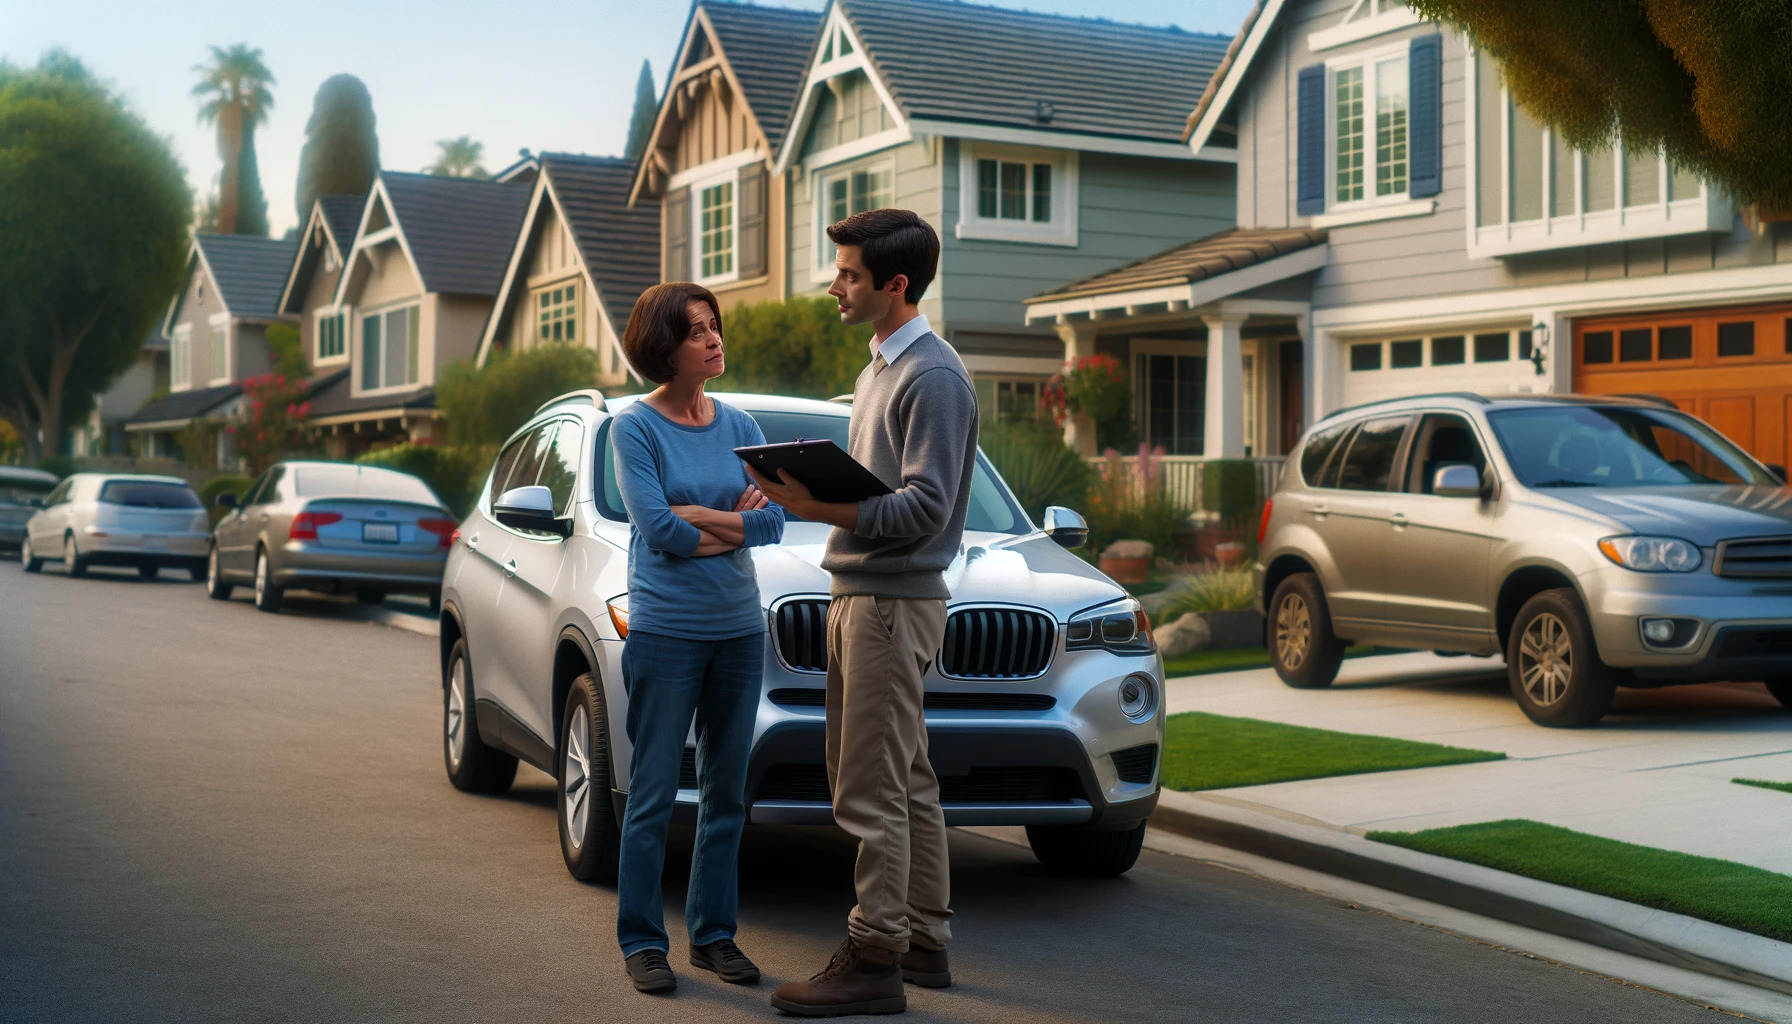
[212, 814]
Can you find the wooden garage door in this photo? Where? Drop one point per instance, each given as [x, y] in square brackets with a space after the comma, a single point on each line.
[1731, 368]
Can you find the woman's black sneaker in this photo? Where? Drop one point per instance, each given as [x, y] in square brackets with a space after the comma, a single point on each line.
[650, 971]
[725, 958]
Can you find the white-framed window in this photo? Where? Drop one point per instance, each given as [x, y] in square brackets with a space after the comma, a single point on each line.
[331, 344]
[1017, 194]
[1364, 20]
[1169, 381]
[389, 348]
[1531, 191]
[1438, 351]
[841, 193]
[221, 338]
[556, 309]
[1368, 126]
[1008, 399]
[714, 230]
[180, 358]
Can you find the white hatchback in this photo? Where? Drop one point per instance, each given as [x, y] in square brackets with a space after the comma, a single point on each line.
[148, 523]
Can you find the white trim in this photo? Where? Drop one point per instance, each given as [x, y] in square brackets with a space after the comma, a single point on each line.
[180, 358]
[730, 177]
[1198, 293]
[385, 234]
[513, 268]
[1011, 365]
[1065, 198]
[715, 168]
[1348, 31]
[377, 194]
[1068, 140]
[223, 339]
[316, 222]
[1369, 62]
[819, 72]
[1357, 213]
[356, 383]
[856, 148]
[1228, 83]
[824, 270]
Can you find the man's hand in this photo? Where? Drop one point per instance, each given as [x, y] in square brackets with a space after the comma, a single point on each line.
[794, 495]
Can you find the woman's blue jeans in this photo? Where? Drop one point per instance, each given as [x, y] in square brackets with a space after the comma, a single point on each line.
[670, 681]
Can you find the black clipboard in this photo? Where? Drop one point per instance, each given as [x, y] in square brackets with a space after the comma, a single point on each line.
[830, 474]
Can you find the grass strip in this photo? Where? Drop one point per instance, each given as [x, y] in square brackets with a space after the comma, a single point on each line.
[1735, 895]
[1204, 751]
[1784, 787]
[1200, 663]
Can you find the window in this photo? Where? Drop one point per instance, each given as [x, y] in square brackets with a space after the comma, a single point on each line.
[1636, 345]
[560, 469]
[389, 343]
[1002, 400]
[1736, 339]
[1365, 357]
[1676, 342]
[1441, 440]
[1370, 462]
[330, 340]
[1369, 97]
[847, 193]
[1017, 194]
[507, 460]
[715, 230]
[1493, 348]
[220, 354]
[1594, 446]
[1447, 351]
[1170, 400]
[148, 494]
[180, 358]
[1014, 191]
[1404, 355]
[1318, 449]
[557, 313]
[1596, 347]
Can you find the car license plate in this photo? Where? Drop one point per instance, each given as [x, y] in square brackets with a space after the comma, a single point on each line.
[379, 533]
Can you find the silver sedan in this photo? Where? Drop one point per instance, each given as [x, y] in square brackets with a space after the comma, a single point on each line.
[331, 527]
[148, 523]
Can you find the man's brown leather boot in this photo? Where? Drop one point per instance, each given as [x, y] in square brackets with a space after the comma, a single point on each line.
[926, 967]
[857, 979]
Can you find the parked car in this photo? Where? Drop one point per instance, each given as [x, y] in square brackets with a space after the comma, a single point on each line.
[1044, 705]
[1595, 542]
[22, 493]
[331, 527]
[149, 523]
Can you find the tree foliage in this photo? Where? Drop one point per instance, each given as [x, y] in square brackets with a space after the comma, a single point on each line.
[251, 202]
[94, 211]
[342, 150]
[795, 347]
[234, 88]
[483, 405]
[459, 158]
[647, 108]
[271, 425]
[1703, 82]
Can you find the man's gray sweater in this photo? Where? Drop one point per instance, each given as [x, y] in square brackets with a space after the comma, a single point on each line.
[914, 425]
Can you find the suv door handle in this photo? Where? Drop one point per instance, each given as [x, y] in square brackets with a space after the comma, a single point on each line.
[1319, 511]
[1399, 520]
[472, 542]
[510, 569]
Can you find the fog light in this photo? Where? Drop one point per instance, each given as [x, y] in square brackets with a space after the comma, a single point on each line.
[1665, 632]
[1138, 696]
[1658, 631]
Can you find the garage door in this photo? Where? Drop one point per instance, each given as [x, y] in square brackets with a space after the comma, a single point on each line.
[1731, 368]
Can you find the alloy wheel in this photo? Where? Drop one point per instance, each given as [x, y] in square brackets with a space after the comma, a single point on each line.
[25, 551]
[1294, 631]
[575, 777]
[211, 568]
[1546, 659]
[261, 576]
[68, 554]
[457, 712]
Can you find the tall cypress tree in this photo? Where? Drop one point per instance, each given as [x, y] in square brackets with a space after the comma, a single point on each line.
[647, 108]
[251, 202]
[341, 152]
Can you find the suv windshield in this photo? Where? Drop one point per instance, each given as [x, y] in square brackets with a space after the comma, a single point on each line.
[1619, 446]
[149, 494]
[990, 511]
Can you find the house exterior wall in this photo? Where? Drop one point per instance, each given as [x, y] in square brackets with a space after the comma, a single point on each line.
[452, 325]
[319, 294]
[252, 358]
[554, 262]
[846, 110]
[199, 303]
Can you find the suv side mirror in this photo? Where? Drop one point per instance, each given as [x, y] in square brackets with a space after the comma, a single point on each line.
[225, 499]
[530, 508]
[1456, 480]
[1065, 527]
[1777, 470]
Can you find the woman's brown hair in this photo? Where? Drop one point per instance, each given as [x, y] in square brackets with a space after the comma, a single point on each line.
[660, 322]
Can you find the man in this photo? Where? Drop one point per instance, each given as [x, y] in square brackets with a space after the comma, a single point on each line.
[914, 425]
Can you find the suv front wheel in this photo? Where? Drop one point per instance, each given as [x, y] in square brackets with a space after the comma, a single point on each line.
[1552, 665]
[472, 766]
[1306, 652]
[590, 835]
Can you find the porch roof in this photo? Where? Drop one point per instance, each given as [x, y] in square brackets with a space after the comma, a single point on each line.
[1191, 273]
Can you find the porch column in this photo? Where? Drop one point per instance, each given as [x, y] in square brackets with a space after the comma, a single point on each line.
[1079, 343]
[1323, 382]
[1556, 341]
[1224, 437]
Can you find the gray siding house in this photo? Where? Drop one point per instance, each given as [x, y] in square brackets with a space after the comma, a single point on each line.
[1042, 148]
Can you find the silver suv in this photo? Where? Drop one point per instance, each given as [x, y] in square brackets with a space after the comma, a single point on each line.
[1595, 542]
[1044, 704]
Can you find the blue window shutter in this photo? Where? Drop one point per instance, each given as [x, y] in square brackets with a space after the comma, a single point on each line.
[1310, 158]
[1426, 133]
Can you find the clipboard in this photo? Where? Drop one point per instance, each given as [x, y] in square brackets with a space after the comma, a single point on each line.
[830, 474]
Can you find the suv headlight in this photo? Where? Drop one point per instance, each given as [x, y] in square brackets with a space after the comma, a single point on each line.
[1652, 554]
[1117, 626]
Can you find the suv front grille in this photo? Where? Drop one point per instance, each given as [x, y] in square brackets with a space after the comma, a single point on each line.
[815, 697]
[800, 633]
[997, 643]
[982, 785]
[1743, 643]
[1135, 764]
[1755, 558]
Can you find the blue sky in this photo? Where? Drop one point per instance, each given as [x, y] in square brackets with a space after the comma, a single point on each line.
[541, 74]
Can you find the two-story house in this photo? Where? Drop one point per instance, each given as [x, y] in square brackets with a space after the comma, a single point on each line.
[216, 328]
[1042, 148]
[310, 291]
[416, 287]
[708, 167]
[582, 258]
[1427, 234]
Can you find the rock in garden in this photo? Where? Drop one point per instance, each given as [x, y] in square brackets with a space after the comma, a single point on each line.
[1189, 633]
[1129, 549]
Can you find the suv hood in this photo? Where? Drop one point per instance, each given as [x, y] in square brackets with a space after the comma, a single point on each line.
[1702, 515]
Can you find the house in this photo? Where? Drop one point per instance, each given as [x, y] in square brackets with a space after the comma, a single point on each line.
[216, 328]
[708, 166]
[416, 287]
[103, 432]
[1416, 231]
[309, 295]
[1042, 148]
[582, 258]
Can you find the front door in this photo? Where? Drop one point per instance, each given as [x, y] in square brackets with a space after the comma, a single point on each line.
[1353, 518]
[1439, 548]
[1291, 393]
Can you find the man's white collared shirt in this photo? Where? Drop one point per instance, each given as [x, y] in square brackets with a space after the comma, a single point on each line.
[900, 339]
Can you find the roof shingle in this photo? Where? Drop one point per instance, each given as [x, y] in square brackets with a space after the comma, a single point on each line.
[619, 244]
[249, 270]
[184, 405]
[1203, 258]
[342, 214]
[460, 230]
[768, 48]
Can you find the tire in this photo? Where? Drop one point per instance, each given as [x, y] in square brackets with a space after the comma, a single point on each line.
[1781, 690]
[72, 562]
[216, 586]
[435, 601]
[472, 766]
[1087, 852]
[267, 595]
[590, 835]
[197, 571]
[366, 596]
[1553, 666]
[1303, 647]
[27, 559]
[148, 572]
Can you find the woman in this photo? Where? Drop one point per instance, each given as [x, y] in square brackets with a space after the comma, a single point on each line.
[696, 636]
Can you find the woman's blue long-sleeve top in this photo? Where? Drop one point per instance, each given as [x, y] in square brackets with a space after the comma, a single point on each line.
[659, 464]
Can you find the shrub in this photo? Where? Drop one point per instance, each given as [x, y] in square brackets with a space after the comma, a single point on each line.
[1229, 487]
[1039, 468]
[454, 473]
[482, 405]
[235, 483]
[1218, 590]
[1127, 502]
[272, 423]
[61, 465]
[288, 350]
[1096, 387]
[795, 347]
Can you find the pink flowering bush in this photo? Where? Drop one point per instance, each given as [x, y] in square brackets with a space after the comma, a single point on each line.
[271, 424]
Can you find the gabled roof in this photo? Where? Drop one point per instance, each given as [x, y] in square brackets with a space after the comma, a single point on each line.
[618, 244]
[248, 270]
[1205, 118]
[184, 405]
[951, 61]
[458, 231]
[1192, 272]
[333, 396]
[339, 216]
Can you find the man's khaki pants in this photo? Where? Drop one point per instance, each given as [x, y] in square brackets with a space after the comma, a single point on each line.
[885, 792]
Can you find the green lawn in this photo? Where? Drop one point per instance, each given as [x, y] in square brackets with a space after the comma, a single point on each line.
[1203, 751]
[1784, 787]
[1731, 894]
[1201, 663]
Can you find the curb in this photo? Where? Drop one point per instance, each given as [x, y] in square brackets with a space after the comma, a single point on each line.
[1658, 935]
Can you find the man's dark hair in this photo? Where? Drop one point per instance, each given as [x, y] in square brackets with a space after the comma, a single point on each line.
[661, 322]
[893, 242]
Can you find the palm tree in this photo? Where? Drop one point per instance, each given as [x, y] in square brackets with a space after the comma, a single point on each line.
[459, 159]
[234, 87]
